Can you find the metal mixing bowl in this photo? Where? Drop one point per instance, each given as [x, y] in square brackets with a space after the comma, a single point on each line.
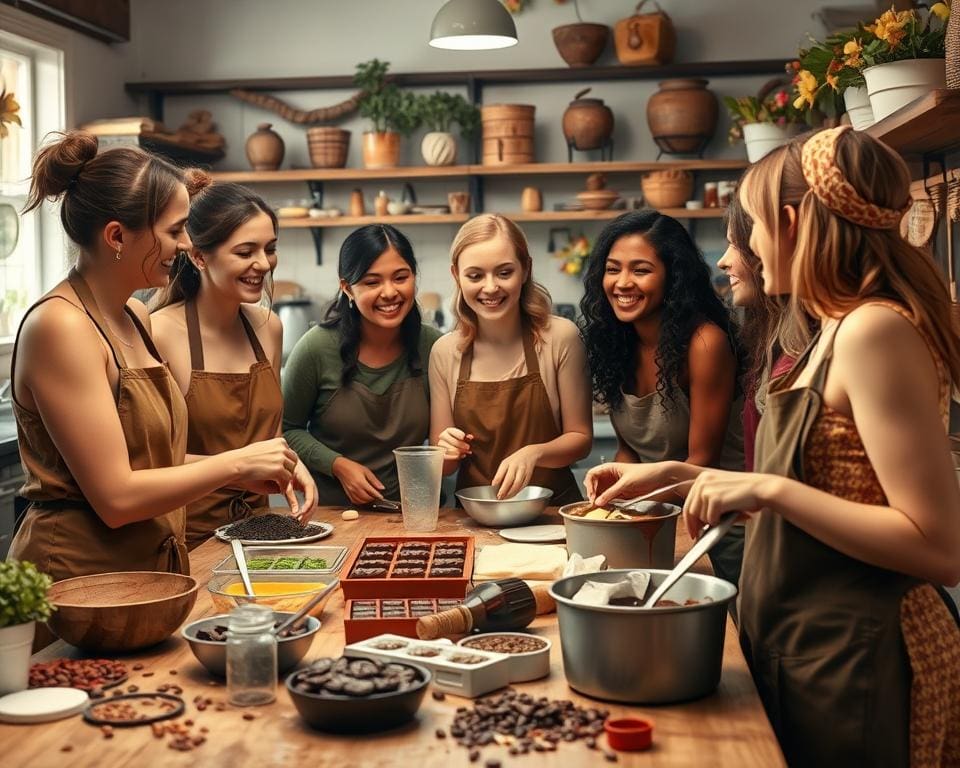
[644, 542]
[642, 656]
[482, 504]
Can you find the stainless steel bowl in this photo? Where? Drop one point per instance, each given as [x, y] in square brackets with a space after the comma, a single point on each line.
[213, 655]
[654, 656]
[481, 503]
[645, 542]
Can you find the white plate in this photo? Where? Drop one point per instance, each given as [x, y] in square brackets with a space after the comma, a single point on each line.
[41, 705]
[322, 530]
[535, 534]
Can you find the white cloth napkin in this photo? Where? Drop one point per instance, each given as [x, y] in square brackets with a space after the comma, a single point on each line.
[525, 561]
[602, 592]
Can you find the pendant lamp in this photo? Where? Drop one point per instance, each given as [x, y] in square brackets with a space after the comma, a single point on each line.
[473, 25]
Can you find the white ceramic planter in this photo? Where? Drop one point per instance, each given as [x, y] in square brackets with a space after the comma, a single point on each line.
[894, 85]
[761, 138]
[16, 643]
[439, 148]
[857, 102]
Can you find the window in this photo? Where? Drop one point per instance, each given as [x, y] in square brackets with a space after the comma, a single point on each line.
[33, 73]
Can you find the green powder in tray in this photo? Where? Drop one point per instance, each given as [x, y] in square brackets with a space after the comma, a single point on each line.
[313, 564]
[287, 564]
[260, 563]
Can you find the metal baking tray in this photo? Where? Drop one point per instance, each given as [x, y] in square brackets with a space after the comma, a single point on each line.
[333, 555]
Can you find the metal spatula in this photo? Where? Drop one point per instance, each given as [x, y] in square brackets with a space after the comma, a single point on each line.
[624, 506]
[242, 565]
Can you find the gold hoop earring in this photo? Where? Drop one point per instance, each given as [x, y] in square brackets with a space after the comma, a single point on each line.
[118, 254]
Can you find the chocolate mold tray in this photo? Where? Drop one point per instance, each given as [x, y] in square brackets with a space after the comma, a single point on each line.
[366, 618]
[409, 566]
[460, 671]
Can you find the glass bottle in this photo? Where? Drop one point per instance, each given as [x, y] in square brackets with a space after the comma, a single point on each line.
[251, 656]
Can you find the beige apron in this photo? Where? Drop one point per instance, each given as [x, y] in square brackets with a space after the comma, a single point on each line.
[820, 630]
[227, 411]
[61, 533]
[503, 417]
[365, 427]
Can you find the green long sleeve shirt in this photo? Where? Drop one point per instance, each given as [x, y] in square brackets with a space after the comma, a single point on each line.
[312, 377]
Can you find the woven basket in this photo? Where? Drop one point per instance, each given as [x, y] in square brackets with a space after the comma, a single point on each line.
[328, 147]
[953, 50]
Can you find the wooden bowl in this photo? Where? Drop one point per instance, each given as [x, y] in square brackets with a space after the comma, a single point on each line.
[125, 611]
[581, 44]
[667, 189]
[599, 199]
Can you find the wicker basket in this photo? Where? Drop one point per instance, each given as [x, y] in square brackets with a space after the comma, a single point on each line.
[953, 50]
[328, 147]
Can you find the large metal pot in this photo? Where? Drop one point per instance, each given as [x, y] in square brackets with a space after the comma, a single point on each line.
[297, 316]
[641, 656]
[646, 542]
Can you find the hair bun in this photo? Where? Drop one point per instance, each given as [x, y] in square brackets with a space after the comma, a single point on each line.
[196, 180]
[57, 164]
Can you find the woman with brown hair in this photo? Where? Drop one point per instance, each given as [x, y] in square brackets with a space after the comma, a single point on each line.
[509, 393]
[222, 346]
[101, 424]
[855, 654]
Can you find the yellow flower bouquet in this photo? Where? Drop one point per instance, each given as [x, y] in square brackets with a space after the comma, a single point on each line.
[8, 112]
[574, 256]
[902, 35]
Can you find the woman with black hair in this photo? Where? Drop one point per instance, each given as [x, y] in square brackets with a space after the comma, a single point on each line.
[222, 346]
[355, 386]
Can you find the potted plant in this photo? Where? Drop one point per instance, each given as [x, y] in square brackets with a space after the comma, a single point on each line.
[905, 58]
[23, 601]
[391, 111]
[766, 121]
[438, 112]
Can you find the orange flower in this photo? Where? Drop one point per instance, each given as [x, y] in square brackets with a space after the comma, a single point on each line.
[851, 51]
[8, 113]
[890, 26]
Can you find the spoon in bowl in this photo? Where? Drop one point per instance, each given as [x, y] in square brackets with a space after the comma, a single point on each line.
[242, 565]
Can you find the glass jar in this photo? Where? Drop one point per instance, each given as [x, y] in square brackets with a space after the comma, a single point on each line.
[711, 197]
[251, 656]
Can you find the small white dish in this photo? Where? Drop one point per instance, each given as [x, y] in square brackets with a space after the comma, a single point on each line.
[535, 534]
[322, 530]
[530, 665]
[42, 705]
[694, 205]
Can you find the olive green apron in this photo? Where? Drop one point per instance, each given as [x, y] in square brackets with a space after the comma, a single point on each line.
[820, 630]
[227, 411]
[503, 417]
[365, 427]
[61, 533]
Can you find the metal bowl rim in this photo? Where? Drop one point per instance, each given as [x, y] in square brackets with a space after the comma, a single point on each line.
[641, 519]
[544, 495]
[632, 610]
[191, 638]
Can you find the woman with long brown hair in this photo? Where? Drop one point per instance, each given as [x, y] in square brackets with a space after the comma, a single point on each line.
[855, 654]
[509, 392]
[101, 423]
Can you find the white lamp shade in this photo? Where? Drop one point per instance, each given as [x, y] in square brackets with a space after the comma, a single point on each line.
[472, 25]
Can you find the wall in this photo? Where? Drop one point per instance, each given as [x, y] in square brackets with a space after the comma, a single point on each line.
[184, 40]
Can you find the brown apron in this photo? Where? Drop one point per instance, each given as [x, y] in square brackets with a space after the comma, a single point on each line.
[820, 630]
[365, 427]
[61, 533]
[503, 417]
[227, 411]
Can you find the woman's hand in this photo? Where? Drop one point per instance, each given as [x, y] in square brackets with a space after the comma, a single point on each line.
[265, 467]
[455, 443]
[359, 483]
[515, 471]
[302, 481]
[716, 492]
[615, 480]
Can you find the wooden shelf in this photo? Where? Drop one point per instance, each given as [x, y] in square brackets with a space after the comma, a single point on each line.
[929, 125]
[677, 213]
[462, 171]
[358, 221]
[472, 78]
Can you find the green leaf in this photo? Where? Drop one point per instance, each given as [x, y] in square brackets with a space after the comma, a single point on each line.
[23, 593]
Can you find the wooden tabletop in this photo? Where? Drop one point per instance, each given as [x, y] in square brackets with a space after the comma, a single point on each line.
[728, 728]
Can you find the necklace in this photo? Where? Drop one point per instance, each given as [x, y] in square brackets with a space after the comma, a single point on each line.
[117, 335]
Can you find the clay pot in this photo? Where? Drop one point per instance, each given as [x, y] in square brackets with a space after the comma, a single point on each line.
[667, 189]
[357, 207]
[531, 200]
[682, 116]
[581, 44]
[439, 148]
[328, 146]
[381, 149]
[265, 148]
[587, 123]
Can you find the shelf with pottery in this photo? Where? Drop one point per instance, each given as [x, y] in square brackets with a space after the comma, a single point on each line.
[305, 222]
[929, 125]
[611, 213]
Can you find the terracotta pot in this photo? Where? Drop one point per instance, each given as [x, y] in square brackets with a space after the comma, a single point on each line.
[587, 123]
[381, 149]
[328, 147]
[531, 200]
[265, 148]
[682, 116]
[439, 148]
[581, 44]
[667, 189]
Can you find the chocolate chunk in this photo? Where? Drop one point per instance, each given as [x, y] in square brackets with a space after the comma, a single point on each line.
[321, 666]
[446, 571]
[448, 562]
[369, 573]
[409, 572]
[363, 668]
[370, 562]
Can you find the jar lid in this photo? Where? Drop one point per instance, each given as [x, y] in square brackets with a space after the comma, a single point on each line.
[250, 617]
[42, 705]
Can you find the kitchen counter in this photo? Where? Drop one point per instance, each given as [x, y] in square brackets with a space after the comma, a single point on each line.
[728, 728]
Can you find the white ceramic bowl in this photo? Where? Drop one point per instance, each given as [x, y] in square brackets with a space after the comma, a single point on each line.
[531, 665]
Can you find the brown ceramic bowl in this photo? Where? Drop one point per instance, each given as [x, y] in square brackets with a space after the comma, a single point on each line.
[598, 200]
[581, 44]
[124, 611]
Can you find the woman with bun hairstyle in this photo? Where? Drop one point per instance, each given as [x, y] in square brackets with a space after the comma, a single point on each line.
[354, 387]
[222, 347]
[509, 397]
[855, 498]
[101, 423]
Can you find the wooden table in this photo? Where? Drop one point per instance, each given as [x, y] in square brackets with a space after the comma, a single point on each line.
[728, 728]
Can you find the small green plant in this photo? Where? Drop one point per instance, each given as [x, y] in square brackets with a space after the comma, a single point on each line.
[774, 107]
[439, 111]
[383, 103]
[23, 593]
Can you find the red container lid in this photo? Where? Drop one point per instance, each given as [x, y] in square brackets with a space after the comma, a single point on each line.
[629, 734]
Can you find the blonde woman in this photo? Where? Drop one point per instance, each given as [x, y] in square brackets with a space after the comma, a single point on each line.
[509, 387]
[855, 654]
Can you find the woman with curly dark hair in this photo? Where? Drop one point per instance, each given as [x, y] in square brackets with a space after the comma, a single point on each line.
[661, 345]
